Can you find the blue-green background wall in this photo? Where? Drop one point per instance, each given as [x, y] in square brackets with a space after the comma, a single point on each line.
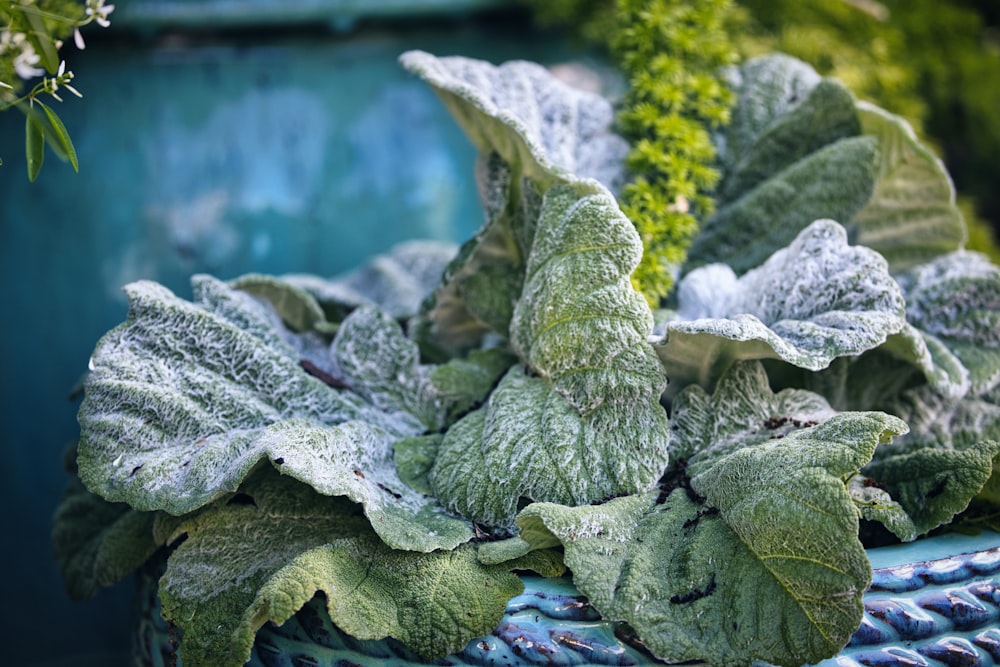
[259, 149]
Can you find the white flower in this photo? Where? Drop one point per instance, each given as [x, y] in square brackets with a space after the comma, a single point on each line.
[62, 78]
[24, 62]
[99, 11]
[78, 38]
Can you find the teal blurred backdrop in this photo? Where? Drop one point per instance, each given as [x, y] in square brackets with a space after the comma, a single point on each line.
[257, 136]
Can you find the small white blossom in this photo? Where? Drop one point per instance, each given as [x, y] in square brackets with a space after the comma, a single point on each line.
[24, 62]
[99, 11]
[78, 38]
[62, 78]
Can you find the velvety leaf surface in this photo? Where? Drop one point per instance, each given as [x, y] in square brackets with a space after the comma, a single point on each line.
[767, 88]
[784, 113]
[97, 543]
[876, 504]
[742, 411]
[946, 459]
[546, 128]
[396, 282]
[956, 299]
[185, 399]
[268, 550]
[414, 458]
[834, 182]
[912, 216]
[579, 324]
[376, 360]
[750, 550]
[933, 485]
[533, 131]
[583, 420]
[477, 292]
[463, 383]
[296, 307]
[808, 304]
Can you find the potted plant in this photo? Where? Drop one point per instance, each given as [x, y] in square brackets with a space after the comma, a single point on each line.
[389, 452]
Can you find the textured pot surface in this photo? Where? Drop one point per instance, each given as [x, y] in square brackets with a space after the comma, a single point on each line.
[933, 602]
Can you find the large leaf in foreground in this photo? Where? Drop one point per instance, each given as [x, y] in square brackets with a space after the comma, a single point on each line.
[768, 567]
[267, 551]
[582, 421]
[185, 399]
[808, 304]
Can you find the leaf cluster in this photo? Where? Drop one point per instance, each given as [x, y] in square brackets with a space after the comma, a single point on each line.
[833, 362]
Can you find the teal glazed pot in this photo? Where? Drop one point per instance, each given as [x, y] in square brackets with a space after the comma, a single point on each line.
[932, 603]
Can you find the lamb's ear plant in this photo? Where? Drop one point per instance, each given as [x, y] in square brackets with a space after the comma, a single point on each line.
[832, 364]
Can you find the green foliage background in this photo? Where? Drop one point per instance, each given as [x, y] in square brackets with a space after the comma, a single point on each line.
[935, 63]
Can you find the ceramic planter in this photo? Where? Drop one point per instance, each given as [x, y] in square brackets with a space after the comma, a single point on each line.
[933, 602]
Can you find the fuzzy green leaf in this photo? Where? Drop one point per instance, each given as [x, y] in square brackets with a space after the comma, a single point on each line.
[956, 299]
[297, 307]
[758, 558]
[466, 382]
[741, 412]
[767, 88]
[876, 504]
[261, 556]
[932, 485]
[186, 399]
[479, 287]
[579, 324]
[373, 356]
[833, 182]
[808, 304]
[784, 113]
[533, 131]
[414, 457]
[912, 216]
[396, 281]
[944, 462]
[590, 424]
[545, 129]
[97, 543]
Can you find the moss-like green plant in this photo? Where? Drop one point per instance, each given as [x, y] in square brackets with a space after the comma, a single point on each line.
[671, 51]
